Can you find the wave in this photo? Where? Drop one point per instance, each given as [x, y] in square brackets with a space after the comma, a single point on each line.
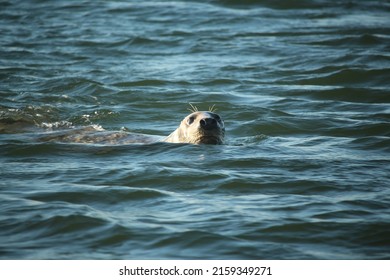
[351, 76]
[351, 94]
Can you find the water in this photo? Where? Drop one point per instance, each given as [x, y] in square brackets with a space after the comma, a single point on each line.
[304, 92]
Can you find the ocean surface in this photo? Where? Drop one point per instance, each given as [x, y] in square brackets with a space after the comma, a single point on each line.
[303, 88]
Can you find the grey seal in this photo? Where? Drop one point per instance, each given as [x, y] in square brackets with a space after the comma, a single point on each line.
[199, 127]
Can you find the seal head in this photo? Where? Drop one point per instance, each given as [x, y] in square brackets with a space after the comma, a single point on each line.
[201, 127]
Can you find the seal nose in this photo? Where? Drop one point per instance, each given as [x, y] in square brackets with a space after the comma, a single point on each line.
[208, 123]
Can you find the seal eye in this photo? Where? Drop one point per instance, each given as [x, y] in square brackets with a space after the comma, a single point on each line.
[190, 120]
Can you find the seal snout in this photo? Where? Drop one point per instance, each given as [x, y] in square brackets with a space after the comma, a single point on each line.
[208, 123]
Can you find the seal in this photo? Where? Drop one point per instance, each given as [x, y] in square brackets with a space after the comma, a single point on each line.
[200, 127]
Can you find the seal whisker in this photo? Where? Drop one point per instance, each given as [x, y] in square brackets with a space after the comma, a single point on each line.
[193, 108]
[212, 109]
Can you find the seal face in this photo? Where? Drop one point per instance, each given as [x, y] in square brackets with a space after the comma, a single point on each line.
[202, 127]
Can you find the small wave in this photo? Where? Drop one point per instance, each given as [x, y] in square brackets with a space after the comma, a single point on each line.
[351, 76]
[153, 83]
[280, 4]
[350, 94]
[379, 143]
[362, 129]
[220, 82]
[354, 40]
[73, 86]
[56, 125]
[141, 83]
[207, 243]
[99, 195]
[249, 140]
[17, 120]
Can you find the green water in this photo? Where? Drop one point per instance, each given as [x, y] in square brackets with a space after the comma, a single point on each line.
[304, 93]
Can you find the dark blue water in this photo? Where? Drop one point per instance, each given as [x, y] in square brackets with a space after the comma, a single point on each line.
[303, 87]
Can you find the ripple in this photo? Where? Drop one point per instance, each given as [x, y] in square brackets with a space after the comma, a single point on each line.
[108, 195]
[351, 76]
